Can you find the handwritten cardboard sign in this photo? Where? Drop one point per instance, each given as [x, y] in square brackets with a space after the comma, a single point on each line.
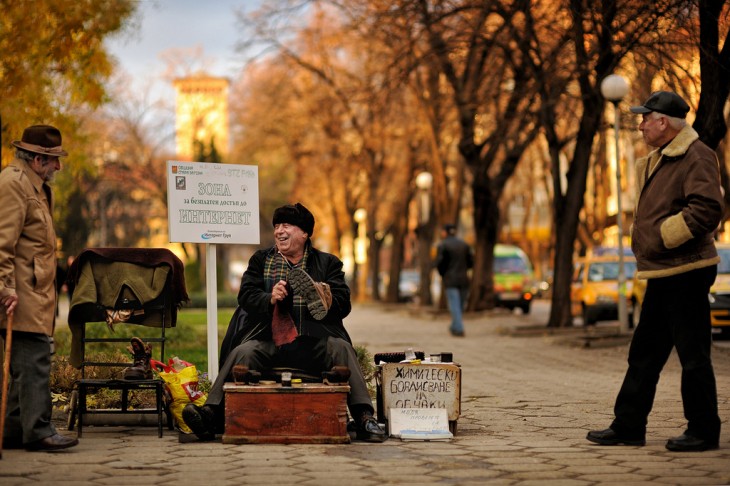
[419, 423]
[421, 386]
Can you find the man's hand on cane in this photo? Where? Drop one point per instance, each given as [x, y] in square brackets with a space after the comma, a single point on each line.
[10, 302]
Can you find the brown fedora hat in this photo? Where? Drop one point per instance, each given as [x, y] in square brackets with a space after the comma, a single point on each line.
[42, 139]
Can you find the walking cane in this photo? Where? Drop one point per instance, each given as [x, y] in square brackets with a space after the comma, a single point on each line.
[6, 378]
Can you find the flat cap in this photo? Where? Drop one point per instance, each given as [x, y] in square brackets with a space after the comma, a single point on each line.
[664, 102]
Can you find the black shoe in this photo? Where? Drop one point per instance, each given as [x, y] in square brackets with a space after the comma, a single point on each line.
[54, 442]
[457, 333]
[352, 430]
[688, 443]
[201, 420]
[609, 437]
[369, 430]
[308, 289]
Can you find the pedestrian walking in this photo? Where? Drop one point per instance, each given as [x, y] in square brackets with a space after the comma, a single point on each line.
[679, 207]
[453, 260]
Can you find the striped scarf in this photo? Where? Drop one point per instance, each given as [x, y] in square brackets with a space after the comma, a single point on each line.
[276, 267]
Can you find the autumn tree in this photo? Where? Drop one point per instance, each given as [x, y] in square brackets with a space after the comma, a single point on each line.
[114, 198]
[467, 45]
[54, 62]
[711, 119]
[595, 38]
[359, 136]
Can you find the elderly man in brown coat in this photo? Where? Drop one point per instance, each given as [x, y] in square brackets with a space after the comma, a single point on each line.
[678, 210]
[27, 287]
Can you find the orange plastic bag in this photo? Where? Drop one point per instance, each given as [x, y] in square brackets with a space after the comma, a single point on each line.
[182, 385]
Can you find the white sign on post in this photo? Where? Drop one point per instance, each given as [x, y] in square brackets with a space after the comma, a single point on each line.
[212, 203]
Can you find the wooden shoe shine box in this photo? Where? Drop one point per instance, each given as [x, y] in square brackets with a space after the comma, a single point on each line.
[274, 414]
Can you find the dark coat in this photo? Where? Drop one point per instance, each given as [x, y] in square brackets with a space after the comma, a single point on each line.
[679, 207]
[252, 319]
[453, 259]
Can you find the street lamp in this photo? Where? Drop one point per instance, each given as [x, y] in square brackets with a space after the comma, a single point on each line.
[424, 183]
[361, 216]
[613, 88]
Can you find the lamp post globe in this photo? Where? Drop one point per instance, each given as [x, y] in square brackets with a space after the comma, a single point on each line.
[424, 181]
[614, 87]
[360, 215]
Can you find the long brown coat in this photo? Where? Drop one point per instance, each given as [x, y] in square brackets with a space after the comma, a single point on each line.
[27, 249]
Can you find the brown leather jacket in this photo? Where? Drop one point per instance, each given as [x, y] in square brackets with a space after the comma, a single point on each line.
[679, 207]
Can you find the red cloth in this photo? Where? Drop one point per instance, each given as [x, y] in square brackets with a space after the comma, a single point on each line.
[283, 329]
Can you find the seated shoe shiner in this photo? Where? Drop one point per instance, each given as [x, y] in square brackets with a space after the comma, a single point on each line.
[295, 298]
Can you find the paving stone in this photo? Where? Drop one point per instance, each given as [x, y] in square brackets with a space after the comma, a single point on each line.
[527, 404]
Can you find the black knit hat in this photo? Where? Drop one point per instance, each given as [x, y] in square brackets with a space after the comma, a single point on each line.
[297, 215]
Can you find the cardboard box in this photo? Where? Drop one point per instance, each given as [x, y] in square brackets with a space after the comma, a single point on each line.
[419, 385]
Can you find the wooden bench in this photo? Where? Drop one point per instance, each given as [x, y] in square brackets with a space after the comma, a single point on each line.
[308, 413]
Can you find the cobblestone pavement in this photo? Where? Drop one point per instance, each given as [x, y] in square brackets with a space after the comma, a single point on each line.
[527, 402]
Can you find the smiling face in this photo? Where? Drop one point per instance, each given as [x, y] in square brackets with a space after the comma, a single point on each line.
[290, 241]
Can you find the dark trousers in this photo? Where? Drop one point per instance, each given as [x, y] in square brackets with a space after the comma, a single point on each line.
[28, 415]
[675, 314]
[310, 354]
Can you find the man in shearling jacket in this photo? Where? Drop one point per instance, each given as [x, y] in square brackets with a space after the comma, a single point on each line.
[679, 207]
[27, 287]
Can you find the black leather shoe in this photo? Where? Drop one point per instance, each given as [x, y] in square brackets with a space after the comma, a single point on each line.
[457, 333]
[54, 442]
[370, 431]
[609, 437]
[687, 443]
[201, 420]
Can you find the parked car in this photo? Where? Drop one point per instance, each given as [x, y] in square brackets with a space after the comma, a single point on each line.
[719, 296]
[514, 280]
[594, 289]
[409, 283]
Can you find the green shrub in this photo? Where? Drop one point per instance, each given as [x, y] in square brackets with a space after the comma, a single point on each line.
[192, 276]
[195, 279]
[365, 359]
[187, 340]
[63, 378]
[199, 300]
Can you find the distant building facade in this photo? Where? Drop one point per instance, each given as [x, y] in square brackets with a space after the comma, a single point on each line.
[201, 114]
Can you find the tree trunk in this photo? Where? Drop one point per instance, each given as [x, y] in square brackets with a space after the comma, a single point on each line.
[396, 260]
[560, 313]
[486, 221]
[714, 75]
[568, 207]
[374, 261]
